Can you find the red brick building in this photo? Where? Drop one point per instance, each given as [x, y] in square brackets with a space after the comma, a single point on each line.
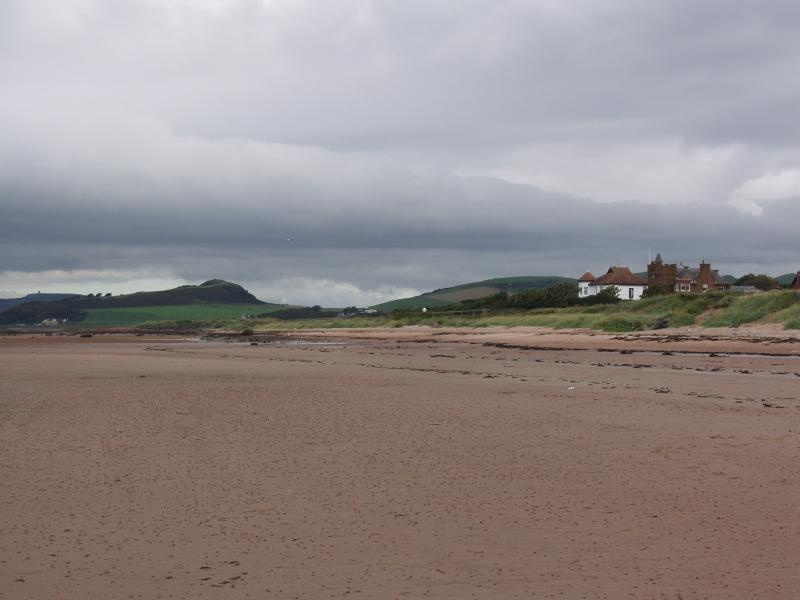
[682, 279]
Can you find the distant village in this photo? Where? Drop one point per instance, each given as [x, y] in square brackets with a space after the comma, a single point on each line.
[672, 278]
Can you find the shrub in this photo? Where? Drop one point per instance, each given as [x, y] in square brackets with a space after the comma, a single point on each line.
[609, 295]
[656, 290]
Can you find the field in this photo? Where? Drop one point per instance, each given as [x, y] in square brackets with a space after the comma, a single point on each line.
[185, 312]
[404, 463]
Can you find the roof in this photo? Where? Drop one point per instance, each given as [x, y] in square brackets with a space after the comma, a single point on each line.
[689, 273]
[619, 276]
[586, 277]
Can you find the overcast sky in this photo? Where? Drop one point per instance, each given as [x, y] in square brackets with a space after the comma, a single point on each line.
[353, 151]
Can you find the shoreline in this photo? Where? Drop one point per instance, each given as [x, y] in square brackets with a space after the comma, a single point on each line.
[746, 340]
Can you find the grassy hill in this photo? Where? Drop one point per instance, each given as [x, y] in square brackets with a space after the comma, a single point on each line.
[470, 291]
[216, 297]
[212, 291]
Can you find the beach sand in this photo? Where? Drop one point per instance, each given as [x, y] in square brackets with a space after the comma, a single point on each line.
[412, 463]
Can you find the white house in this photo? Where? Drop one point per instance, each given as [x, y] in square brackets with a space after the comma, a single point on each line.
[631, 287]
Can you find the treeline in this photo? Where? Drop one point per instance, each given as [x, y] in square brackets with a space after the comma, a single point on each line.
[287, 314]
[761, 282]
[557, 296]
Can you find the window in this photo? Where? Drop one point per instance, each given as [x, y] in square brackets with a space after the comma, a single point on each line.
[630, 293]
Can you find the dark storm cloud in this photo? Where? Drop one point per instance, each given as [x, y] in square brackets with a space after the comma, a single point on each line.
[362, 143]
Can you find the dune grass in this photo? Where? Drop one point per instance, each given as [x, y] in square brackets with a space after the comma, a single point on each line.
[773, 307]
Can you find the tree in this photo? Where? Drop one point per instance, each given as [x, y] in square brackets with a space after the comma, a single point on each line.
[611, 292]
[762, 282]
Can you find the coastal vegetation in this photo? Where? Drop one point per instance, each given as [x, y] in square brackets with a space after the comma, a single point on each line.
[713, 309]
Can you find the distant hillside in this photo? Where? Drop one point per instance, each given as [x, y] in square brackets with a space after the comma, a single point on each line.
[6, 303]
[786, 279]
[214, 291]
[470, 291]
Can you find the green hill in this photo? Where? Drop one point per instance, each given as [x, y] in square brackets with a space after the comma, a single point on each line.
[470, 291]
[786, 279]
[78, 308]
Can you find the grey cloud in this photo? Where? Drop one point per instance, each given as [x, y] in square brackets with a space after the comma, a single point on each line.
[461, 228]
[198, 137]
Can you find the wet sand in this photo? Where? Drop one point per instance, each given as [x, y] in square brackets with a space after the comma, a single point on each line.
[404, 464]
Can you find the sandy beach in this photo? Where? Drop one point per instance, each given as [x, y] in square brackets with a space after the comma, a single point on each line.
[411, 463]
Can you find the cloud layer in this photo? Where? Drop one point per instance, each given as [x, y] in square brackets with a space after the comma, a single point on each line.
[348, 152]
